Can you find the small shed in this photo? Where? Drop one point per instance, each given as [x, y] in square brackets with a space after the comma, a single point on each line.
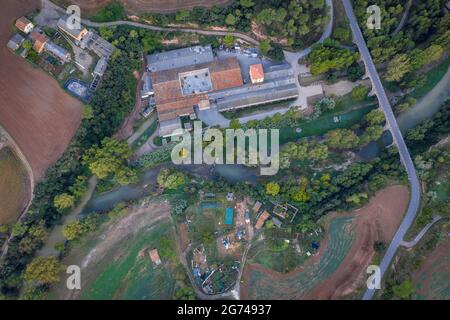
[154, 256]
[229, 216]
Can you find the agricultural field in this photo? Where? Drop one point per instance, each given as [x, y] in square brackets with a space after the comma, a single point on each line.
[431, 281]
[143, 6]
[337, 270]
[116, 263]
[34, 109]
[14, 186]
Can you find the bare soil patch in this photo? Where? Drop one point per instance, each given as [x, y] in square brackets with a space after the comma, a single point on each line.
[34, 109]
[143, 6]
[14, 186]
[378, 220]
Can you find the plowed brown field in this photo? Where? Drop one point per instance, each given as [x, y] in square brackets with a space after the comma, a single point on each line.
[34, 109]
[378, 220]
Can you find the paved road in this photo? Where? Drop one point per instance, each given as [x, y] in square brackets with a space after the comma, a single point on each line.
[410, 244]
[414, 203]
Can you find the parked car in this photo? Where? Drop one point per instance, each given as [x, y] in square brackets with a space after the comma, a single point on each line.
[147, 111]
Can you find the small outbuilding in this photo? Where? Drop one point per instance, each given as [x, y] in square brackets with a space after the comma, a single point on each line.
[24, 25]
[154, 256]
[256, 73]
[15, 42]
[261, 220]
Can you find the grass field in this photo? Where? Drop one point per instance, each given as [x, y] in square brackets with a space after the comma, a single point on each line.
[324, 123]
[126, 275]
[13, 186]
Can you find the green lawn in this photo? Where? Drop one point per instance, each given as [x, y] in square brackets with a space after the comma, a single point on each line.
[433, 77]
[128, 276]
[324, 124]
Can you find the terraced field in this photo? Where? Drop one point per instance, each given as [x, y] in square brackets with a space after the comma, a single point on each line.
[262, 283]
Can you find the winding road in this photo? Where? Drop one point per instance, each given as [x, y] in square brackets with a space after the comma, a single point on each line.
[405, 157]
[292, 58]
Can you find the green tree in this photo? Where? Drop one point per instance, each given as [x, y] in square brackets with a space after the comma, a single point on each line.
[341, 34]
[235, 124]
[342, 139]
[43, 270]
[359, 93]
[404, 290]
[88, 112]
[170, 178]
[247, 3]
[264, 46]
[272, 188]
[375, 117]
[230, 20]
[27, 44]
[63, 201]
[433, 53]
[107, 159]
[185, 293]
[228, 40]
[398, 67]
[318, 152]
[266, 16]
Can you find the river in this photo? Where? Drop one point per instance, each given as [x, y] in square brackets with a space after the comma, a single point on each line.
[424, 109]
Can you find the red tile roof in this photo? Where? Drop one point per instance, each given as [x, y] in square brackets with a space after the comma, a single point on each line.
[22, 23]
[256, 72]
[262, 218]
[39, 41]
[155, 256]
[170, 102]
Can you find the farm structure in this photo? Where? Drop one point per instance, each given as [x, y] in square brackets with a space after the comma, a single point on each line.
[190, 78]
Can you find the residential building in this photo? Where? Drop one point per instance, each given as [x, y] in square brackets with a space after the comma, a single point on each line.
[262, 219]
[15, 42]
[39, 41]
[67, 26]
[24, 25]
[58, 51]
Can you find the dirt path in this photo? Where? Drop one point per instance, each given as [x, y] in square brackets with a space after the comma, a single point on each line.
[378, 220]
